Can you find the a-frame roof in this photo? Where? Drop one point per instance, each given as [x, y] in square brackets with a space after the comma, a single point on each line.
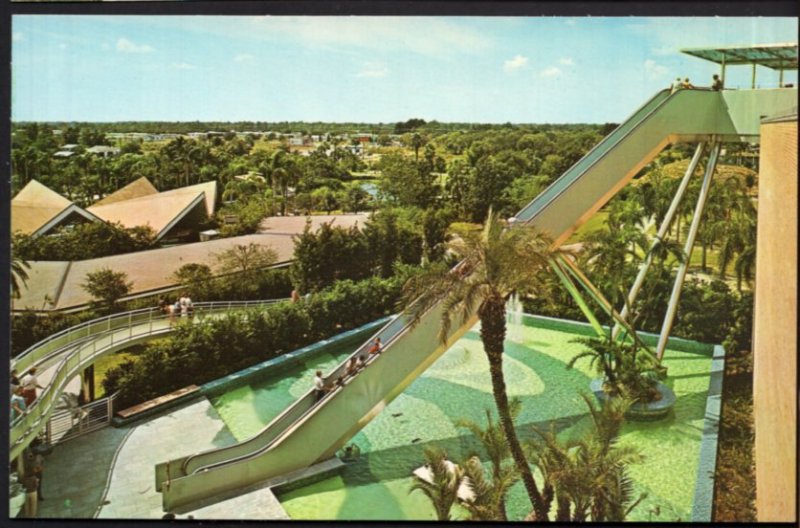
[135, 189]
[37, 209]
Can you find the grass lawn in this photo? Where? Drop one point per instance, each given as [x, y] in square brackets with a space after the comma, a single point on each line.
[106, 363]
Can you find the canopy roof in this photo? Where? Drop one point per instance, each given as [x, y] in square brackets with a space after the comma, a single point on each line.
[775, 56]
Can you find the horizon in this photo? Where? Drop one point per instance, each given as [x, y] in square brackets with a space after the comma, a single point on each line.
[364, 70]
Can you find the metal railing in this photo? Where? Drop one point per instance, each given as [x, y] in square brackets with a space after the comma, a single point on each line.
[66, 424]
[75, 348]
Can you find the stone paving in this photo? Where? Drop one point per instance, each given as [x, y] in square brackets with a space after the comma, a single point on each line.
[131, 493]
[78, 471]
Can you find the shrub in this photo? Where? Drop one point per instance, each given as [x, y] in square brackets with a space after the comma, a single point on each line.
[201, 352]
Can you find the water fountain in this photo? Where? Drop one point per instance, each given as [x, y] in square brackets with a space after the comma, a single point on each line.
[514, 319]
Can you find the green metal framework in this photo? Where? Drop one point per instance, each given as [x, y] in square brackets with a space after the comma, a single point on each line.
[780, 57]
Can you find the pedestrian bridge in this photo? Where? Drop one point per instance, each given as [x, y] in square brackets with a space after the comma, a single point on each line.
[64, 355]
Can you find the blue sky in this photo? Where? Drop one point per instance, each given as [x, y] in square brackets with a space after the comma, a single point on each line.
[364, 69]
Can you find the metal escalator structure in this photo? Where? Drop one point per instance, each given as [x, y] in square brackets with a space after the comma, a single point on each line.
[307, 432]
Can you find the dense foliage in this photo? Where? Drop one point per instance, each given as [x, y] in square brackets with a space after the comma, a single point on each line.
[83, 241]
[212, 348]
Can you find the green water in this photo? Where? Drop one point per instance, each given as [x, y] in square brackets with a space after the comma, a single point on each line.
[458, 386]
[248, 408]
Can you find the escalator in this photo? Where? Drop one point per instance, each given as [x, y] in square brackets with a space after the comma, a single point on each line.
[307, 432]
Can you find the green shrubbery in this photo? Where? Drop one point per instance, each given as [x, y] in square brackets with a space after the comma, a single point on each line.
[199, 353]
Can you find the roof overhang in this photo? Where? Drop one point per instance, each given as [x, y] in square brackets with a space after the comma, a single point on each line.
[776, 56]
[60, 217]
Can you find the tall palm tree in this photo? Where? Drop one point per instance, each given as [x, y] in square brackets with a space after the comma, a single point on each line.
[496, 263]
[496, 447]
[19, 275]
[442, 489]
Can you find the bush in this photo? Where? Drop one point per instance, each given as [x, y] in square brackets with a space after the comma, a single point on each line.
[204, 351]
[84, 241]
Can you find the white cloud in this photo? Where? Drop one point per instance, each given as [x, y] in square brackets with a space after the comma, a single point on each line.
[567, 61]
[62, 46]
[17, 36]
[515, 64]
[243, 57]
[373, 69]
[422, 35]
[654, 71]
[551, 72]
[184, 66]
[126, 46]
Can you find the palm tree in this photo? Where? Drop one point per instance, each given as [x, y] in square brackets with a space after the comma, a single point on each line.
[18, 275]
[590, 475]
[442, 489]
[503, 476]
[488, 501]
[496, 263]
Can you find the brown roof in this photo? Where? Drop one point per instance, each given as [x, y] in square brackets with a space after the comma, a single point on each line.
[135, 189]
[159, 211]
[36, 205]
[295, 224]
[148, 270]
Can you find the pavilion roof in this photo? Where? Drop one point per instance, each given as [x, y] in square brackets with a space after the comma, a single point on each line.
[776, 56]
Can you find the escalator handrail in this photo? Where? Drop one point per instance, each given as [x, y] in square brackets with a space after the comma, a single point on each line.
[275, 422]
[609, 141]
[311, 409]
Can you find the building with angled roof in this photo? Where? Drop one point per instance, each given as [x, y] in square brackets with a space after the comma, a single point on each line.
[37, 210]
[174, 214]
[135, 189]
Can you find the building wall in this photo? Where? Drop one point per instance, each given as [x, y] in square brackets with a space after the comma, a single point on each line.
[775, 325]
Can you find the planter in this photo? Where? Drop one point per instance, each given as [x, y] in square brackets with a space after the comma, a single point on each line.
[654, 410]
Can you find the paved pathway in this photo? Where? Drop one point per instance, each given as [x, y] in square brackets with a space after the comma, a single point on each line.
[131, 492]
[78, 470]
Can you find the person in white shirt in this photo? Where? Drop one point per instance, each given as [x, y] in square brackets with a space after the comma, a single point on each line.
[29, 385]
[319, 385]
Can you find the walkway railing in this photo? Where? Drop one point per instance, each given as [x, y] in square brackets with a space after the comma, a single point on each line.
[75, 348]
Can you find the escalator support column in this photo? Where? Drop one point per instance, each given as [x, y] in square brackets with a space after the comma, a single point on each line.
[672, 308]
[662, 232]
[87, 385]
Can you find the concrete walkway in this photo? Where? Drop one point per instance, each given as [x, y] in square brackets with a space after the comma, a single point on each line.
[113, 469]
[131, 492]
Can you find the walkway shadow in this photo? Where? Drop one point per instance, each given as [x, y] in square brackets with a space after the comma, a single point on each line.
[77, 471]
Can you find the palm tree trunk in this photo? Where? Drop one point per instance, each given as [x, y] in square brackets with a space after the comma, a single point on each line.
[493, 332]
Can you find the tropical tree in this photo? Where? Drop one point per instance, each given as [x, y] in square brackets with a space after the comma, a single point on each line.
[589, 476]
[496, 263]
[442, 488]
[107, 286]
[489, 502]
[19, 275]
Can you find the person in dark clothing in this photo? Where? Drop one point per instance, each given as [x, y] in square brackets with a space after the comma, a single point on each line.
[716, 84]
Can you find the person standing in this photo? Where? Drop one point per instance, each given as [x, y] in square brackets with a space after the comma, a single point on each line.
[29, 385]
[319, 385]
[38, 472]
[376, 347]
[17, 403]
[716, 83]
[31, 485]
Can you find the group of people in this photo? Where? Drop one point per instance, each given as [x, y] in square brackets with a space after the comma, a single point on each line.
[685, 84]
[353, 367]
[23, 391]
[183, 307]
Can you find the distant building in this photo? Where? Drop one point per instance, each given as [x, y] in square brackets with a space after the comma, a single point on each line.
[104, 151]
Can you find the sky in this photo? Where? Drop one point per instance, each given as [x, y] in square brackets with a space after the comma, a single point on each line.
[365, 69]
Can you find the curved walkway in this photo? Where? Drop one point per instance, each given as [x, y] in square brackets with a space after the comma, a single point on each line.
[64, 355]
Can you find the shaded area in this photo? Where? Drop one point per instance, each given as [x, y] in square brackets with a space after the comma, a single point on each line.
[76, 472]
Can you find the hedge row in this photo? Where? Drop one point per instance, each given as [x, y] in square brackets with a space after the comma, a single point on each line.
[212, 348]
